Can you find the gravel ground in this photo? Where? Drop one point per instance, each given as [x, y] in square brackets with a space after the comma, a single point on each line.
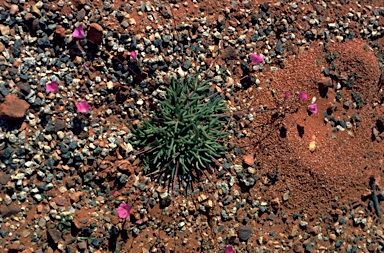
[63, 172]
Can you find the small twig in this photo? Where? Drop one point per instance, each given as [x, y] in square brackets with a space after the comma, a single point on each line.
[374, 196]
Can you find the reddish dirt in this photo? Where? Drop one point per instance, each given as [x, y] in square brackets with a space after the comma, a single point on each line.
[339, 167]
[276, 141]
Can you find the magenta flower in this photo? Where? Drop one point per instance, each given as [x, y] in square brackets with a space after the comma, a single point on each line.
[303, 96]
[229, 249]
[78, 33]
[257, 59]
[52, 87]
[124, 210]
[133, 54]
[83, 107]
[313, 108]
[286, 95]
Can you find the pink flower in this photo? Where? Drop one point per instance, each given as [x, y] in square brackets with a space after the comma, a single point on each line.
[133, 54]
[52, 87]
[303, 96]
[313, 108]
[257, 59]
[138, 222]
[78, 33]
[286, 95]
[229, 249]
[124, 210]
[83, 107]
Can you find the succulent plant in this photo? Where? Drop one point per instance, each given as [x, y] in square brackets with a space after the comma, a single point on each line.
[184, 135]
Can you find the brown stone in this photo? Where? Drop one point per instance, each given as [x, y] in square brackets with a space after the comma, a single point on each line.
[95, 33]
[60, 200]
[248, 159]
[78, 3]
[13, 108]
[10, 211]
[75, 197]
[60, 32]
[13, 9]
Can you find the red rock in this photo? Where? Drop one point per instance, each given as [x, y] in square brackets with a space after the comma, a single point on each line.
[95, 33]
[75, 197]
[60, 31]
[13, 108]
[60, 200]
[78, 3]
[248, 159]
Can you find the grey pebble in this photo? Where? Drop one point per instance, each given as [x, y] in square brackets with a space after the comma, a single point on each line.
[245, 233]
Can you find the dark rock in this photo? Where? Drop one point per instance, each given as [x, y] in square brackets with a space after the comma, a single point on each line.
[25, 88]
[279, 47]
[17, 48]
[43, 42]
[186, 65]
[95, 33]
[338, 243]
[3, 90]
[3, 233]
[10, 211]
[245, 232]
[264, 7]
[165, 202]
[7, 152]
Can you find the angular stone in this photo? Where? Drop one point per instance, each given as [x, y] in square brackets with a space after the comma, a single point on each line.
[245, 232]
[13, 9]
[10, 211]
[13, 108]
[75, 197]
[230, 54]
[54, 235]
[80, 15]
[60, 32]
[95, 33]
[79, 3]
[59, 125]
[249, 159]
[60, 200]
[4, 178]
